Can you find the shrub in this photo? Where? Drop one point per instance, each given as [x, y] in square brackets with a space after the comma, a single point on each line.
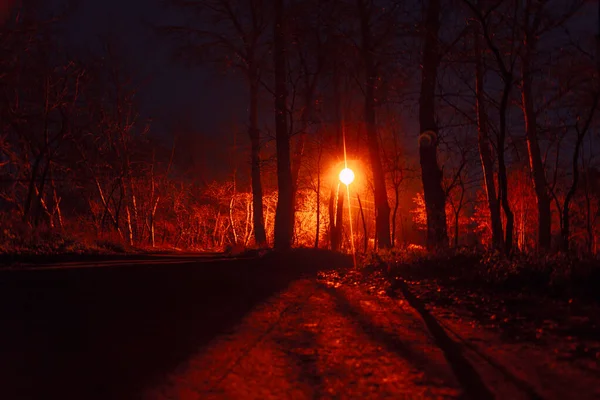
[555, 275]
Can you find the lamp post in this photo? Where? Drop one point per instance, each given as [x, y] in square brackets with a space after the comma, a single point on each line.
[347, 177]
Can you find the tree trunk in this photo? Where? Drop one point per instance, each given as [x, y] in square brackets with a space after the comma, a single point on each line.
[339, 219]
[129, 227]
[366, 236]
[40, 193]
[457, 214]
[395, 213]
[456, 218]
[57, 210]
[260, 236]
[565, 229]
[284, 215]
[318, 198]
[301, 142]
[153, 221]
[485, 153]
[588, 214]
[31, 190]
[581, 132]
[535, 159]
[431, 174]
[506, 74]
[502, 176]
[336, 218]
[331, 210]
[249, 222]
[382, 218]
[336, 202]
[317, 229]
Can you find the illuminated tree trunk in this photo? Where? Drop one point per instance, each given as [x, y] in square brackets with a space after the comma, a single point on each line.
[364, 223]
[397, 176]
[153, 221]
[581, 132]
[336, 202]
[284, 215]
[318, 228]
[40, 193]
[506, 74]
[431, 174]
[382, 218]
[129, 227]
[231, 220]
[502, 176]
[56, 201]
[394, 213]
[247, 229]
[336, 218]
[331, 209]
[485, 153]
[260, 236]
[535, 159]
[457, 211]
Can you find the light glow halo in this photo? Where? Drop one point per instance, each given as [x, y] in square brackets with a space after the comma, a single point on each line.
[347, 176]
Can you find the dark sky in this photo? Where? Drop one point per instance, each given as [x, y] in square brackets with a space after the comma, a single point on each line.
[210, 102]
[171, 93]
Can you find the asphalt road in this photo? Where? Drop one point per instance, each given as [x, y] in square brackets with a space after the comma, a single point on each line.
[189, 327]
[107, 328]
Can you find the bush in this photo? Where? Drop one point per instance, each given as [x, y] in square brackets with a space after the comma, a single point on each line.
[555, 275]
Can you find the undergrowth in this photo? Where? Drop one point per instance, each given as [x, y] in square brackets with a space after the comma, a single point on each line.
[22, 240]
[556, 275]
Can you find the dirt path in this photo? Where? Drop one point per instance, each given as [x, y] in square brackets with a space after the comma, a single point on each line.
[323, 339]
[318, 341]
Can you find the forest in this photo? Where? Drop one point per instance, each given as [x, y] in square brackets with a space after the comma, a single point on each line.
[468, 124]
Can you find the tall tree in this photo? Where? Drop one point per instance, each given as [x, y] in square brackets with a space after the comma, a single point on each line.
[336, 199]
[284, 216]
[505, 66]
[382, 218]
[307, 60]
[431, 174]
[581, 130]
[485, 152]
[538, 174]
[537, 20]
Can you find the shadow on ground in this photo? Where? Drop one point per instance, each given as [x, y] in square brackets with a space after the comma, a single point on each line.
[467, 375]
[106, 333]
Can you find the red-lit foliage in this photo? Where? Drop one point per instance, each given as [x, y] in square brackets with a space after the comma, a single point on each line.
[79, 167]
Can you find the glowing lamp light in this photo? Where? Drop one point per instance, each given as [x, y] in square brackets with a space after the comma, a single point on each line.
[347, 176]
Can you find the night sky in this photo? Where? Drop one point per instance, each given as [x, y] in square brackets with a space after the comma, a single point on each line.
[199, 100]
[209, 102]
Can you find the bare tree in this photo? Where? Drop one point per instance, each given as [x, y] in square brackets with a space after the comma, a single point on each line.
[308, 62]
[284, 216]
[367, 49]
[431, 174]
[506, 69]
[581, 128]
[537, 21]
[485, 150]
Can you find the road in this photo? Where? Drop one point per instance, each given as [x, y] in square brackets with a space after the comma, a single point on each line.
[209, 328]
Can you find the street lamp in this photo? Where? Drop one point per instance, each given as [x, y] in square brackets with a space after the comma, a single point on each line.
[347, 176]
